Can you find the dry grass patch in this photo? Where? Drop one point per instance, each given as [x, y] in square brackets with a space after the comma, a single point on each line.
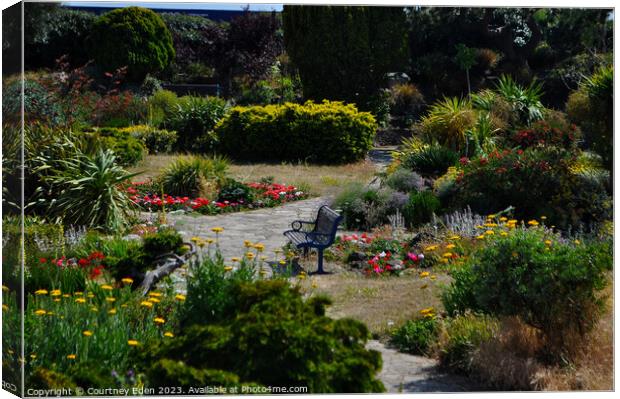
[382, 303]
[319, 179]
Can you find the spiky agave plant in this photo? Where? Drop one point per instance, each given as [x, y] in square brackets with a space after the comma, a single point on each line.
[89, 191]
[447, 122]
[523, 100]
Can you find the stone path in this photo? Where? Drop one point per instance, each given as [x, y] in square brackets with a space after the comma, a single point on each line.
[402, 373]
[260, 226]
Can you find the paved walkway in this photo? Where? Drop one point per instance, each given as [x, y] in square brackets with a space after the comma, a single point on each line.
[403, 373]
[260, 226]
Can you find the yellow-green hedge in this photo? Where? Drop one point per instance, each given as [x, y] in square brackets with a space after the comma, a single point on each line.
[330, 132]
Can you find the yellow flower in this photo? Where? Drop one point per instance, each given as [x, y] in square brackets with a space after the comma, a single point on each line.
[301, 276]
[159, 320]
[71, 356]
[533, 223]
[503, 219]
[87, 333]
[450, 246]
[217, 229]
[424, 286]
[247, 243]
[259, 247]
[228, 268]
[186, 247]
[447, 255]
[547, 242]
[78, 293]
[503, 234]
[282, 262]
[490, 224]
[263, 258]
[179, 297]
[5, 307]
[40, 292]
[480, 237]
[480, 227]
[110, 299]
[107, 287]
[454, 238]
[250, 255]
[577, 242]
[112, 311]
[5, 288]
[155, 294]
[489, 232]
[40, 312]
[444, 260]
[66, 295]
[57, 300]
[426, 311]
[133, 342]
[235, 259]
[146, 304]
[33, 356]
[430, 248]
[195, 239]
[50, 313]
[314, 284]
[491, 216]
[168, 334]
[202, 243]
[127, 280]
[210, 241]
[80, 300]
[424, 274]
[433, 277]
[543, 218]
[512, 221]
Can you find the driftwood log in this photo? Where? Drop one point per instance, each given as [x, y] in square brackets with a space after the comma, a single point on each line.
[169, 262]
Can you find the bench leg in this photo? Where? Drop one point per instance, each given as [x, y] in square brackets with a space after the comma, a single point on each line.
[320, 269]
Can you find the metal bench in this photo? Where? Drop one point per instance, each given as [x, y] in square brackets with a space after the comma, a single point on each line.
[319, 234]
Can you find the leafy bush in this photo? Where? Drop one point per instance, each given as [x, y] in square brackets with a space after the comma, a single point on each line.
[420, 208]
[134, 37]
[524, 101]
[461, 336]
[591, 107]
[161, 105]
[537, 181]
[234, 191]
[89, 191]
[155, 140]
[406, 100]
[447, 122]
[194, 119]
[330, 132]
[404, 180]
[430, 160]
[39, 104]
[271, 336]
[365, 208]
[549, 283]
[165, 240]
[187, 176]
[128, 149]
[416, 336]
[554, 132]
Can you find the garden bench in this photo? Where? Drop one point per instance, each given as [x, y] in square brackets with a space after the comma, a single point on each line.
[318, 234]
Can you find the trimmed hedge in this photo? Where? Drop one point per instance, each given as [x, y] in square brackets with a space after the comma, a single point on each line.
[330, 132]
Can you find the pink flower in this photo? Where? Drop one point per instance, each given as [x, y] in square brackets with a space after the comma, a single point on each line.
[413, 256]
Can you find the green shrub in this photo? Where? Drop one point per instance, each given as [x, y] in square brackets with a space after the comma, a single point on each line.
[537, 181]
[134, 37]
[461, 336]
[591, 107]
[433, 160]
[89, 191]
[550, 284]
[270, 336]
[552, 131]
[39, 103]
[155, 140]
[161, 105]
[406, 101]
[365, 208]
[420, 208]
[128, 149]
[404, 180]
[330, 132]
[234, 191]
[166, 240]
[194, 119]
[524, 101]
[416, 336]
[187, 176]
[447, 122]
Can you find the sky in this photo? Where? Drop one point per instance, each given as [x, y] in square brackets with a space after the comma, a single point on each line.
[180, 6]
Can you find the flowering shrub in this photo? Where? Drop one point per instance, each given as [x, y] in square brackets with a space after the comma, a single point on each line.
[264, 195]
[547, 133]
[536, 181]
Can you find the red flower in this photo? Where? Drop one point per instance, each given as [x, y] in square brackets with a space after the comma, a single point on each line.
[464, 161]
[83, 262]
[42, 260]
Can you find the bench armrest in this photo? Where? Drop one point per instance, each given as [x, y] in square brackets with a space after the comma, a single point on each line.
[298, 225]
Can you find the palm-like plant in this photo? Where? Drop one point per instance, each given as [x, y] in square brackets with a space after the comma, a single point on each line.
[188, 175]
[448, 121]
[524, 100]
[89, 191]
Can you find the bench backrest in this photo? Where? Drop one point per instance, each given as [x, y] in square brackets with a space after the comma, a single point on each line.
[327, 221]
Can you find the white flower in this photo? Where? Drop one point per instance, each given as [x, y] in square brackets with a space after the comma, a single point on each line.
[382, 254]
[299, 193]
[282, 193]
[421, 256]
